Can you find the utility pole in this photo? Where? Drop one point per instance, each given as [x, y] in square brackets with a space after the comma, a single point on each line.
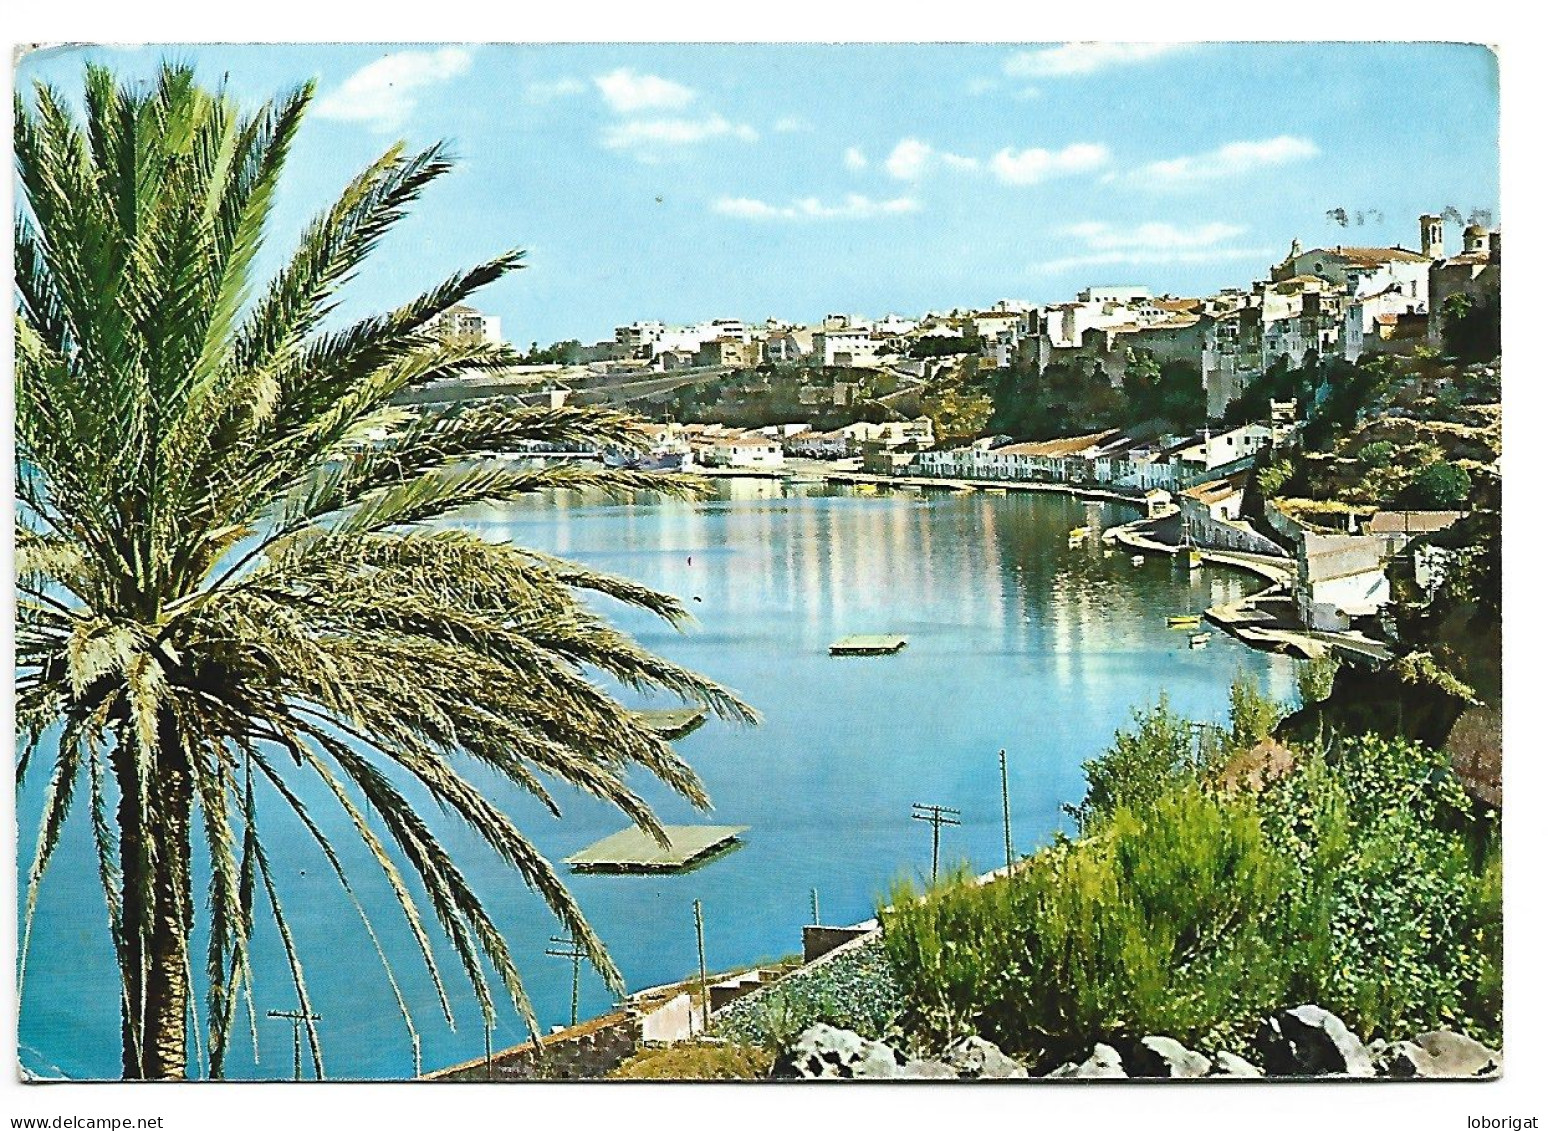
[698, 926]
[1005, 806]
[569, 948]
[937, 815]
[816, 913]
[488, 1050]
[296, 1017]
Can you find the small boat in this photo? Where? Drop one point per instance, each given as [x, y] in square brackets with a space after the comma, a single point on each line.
[994, 490]
[1080, 533]
[1198, 640]
[1183, 620]
[1108, 553]
[1195, 559]
[1138, 559]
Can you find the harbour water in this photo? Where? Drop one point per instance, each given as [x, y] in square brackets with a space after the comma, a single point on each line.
[1016, 640]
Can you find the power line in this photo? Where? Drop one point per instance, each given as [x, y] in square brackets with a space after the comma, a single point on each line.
[569, 948]
[937, 815]
[1005, 805]
[698, 926]
[296, 1017]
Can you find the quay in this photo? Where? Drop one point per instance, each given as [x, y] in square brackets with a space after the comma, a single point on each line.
[635, 850]
[963, 486]
[867, 645]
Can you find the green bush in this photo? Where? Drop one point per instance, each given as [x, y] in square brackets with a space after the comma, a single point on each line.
[1140, 765]
[1440, 486]
[1314, 679]
[1377, 454]
[1165, 750]
[1254, 714]
[1273, 479]
[1409, 886]
[854, 990]
[1161, 922]
[1363, 881]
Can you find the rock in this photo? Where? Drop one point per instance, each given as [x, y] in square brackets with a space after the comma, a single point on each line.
[1442, 1054]
[1229, 1064]
[825, 1053]
[1104, 1063]
[973, 1058]
[1167, 1059]
[926, 1070]
[1310, 1041]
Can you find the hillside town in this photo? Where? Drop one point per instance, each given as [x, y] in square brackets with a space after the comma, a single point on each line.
[1191, 405]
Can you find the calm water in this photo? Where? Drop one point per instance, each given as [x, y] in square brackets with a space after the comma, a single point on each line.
[1015, 641]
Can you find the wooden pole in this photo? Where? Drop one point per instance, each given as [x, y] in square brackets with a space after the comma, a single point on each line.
[698, 926]
[937, 815]
[296, 1017]
[816, 914]
[1005, 805]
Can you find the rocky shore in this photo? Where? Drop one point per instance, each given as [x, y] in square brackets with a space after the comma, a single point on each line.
[1304, 1042]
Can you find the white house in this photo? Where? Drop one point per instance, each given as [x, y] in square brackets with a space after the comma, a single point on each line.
[744, 450]
[1340, 578]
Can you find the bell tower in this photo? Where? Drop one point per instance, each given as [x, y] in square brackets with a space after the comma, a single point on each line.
[1432, 237]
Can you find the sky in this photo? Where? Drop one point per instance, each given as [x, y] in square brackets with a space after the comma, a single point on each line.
[687, 182]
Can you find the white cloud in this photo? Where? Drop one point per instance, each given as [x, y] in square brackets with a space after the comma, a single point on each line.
[1029, 166]
[384, 93]
[911, 158]
[550, 91]
[792, 125]
[854, 158]
[1151, 244]
[1083, 58]
[1233, 159]
[852, 207]
[651, 139]
[628, 91]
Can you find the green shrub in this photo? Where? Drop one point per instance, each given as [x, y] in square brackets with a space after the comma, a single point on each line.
[1165, 750]
[1273, 479]
[1164, 921]
[1139, 767]
[854, 990]
[1440, 486]
[1314, 678]
[1409, 886]
[1379, 453]
[1254, 714]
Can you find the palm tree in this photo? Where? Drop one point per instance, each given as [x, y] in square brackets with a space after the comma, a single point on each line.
[231, 578]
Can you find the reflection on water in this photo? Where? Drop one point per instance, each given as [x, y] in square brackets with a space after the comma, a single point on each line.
[1015, 641]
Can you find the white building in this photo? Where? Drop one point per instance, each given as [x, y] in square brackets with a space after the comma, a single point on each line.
[851, 347]
[743, 450]
[462, 323]
[1340, 578]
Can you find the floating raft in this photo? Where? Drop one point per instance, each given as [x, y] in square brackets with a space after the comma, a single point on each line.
[673, 722]
[867, 645]
[635, 850]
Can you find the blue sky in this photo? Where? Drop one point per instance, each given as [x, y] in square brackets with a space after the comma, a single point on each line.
[684, 182]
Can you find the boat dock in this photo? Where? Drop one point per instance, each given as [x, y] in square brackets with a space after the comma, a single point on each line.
[673, 722]
[867, 645]
[635, 850]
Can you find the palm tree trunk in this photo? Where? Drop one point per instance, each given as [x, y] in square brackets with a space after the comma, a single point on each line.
[157, 909]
